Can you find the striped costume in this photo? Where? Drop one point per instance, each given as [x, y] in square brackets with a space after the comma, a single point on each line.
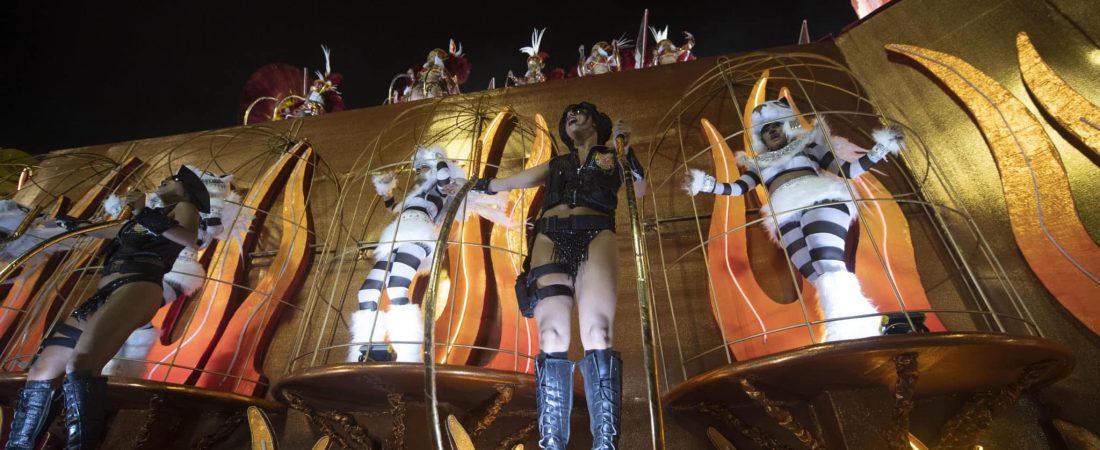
[811, 210]
[403, 249]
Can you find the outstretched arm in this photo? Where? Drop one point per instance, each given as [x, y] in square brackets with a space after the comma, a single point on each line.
[529, 178]
[696, 181]
[888, 140]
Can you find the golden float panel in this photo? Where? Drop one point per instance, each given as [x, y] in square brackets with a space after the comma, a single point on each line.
[1041, 211]
[1072, 111]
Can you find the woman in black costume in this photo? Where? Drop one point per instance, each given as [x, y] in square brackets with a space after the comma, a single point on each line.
[573, 259]
[130, 292]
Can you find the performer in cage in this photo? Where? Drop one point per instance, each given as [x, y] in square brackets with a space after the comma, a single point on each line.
[404, 248]
[573, 260]
[812, 205]
[667, 52]
[129, 294]
[187, 274]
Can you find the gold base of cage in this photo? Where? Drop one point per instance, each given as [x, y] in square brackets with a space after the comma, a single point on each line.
[946, 363]
[136, 394]
[828, 395]
[363, 387]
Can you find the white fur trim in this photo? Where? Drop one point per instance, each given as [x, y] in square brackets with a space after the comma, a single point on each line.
[186, 276]
[113, 205]
[698, 182]
[9, 205]
[801, 193]
[136, 347]
[31, 238]
[890, 139]
[840, 296]
[490, 206]
[366, 327]
[411, 226]
[406, 332]
[383, 187]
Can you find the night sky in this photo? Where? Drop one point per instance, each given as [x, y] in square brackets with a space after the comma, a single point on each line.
[82, 74]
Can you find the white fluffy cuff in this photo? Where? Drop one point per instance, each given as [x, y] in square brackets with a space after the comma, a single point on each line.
[383, 186]
[699, 181]
[890, 139]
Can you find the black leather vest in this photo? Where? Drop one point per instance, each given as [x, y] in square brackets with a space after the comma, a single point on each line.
[134, 243]
[594, 184]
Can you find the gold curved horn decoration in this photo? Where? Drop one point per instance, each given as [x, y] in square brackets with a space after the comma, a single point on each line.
[460, 439]
[718, 440]
[1041, 211]
[1054, 95]
[262, 439]
[322, 444]
[517, 332]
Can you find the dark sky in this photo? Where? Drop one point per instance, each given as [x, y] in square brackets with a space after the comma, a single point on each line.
[83, 73]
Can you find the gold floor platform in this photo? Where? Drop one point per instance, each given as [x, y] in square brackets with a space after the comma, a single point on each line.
[360, 387]
[478, 397]
[130, 393]
[946, 362]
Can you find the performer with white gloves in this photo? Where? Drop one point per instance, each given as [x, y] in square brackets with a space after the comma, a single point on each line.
[810, 202]
[404, 248]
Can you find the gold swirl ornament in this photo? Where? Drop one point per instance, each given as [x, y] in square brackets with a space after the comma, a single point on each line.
[1072, 111]
[1040, 205]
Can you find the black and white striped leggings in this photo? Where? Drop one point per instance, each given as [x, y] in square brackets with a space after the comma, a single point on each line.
[815, 238]
[395, 274]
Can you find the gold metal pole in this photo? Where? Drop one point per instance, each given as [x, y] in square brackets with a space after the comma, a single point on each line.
[434, 423]
[653, 380]
[22, 259]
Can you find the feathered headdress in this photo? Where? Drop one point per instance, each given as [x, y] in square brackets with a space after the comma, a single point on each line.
[536, 41]
[659, 36]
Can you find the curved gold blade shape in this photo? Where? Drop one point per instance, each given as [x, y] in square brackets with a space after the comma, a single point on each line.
[915, 443]
[462, 321]
[460, 440]
[718, 441]
[1054, 95]
[756, 96]
[517, 333]
[1040, 206]
[262, 439]
[1076, 436]
[740, 305]
[322, 444]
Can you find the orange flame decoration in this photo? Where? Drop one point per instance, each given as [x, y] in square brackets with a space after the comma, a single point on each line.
[239, 352]
[472, 295]
[517, 333]
[742, 307]
[1040, 204]
[36, 275]
[179, 362]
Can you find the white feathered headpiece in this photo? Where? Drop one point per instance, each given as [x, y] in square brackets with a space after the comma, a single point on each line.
[659, 36]
[536, 41]
[774, 111]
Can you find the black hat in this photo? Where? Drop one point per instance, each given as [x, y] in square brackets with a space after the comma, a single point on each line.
[602, 121]
[195, 188]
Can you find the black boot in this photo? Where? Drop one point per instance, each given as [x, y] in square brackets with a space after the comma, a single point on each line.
[84, 398]
[603, 387]
[554, 396]
[32, 416]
